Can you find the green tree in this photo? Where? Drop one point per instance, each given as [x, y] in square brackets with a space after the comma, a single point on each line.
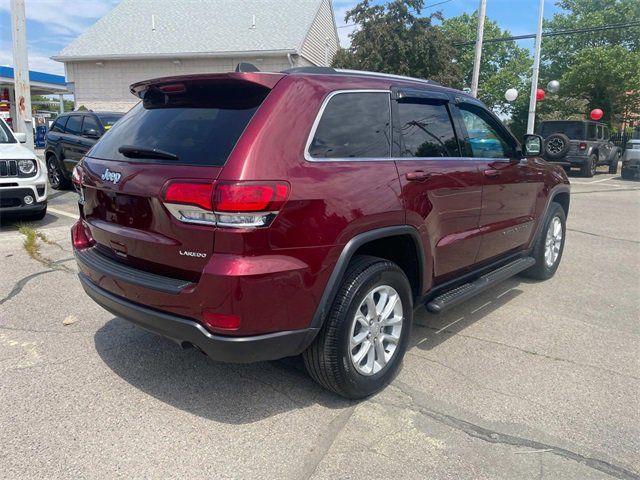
[503, 65]
[394, 38]
[602, 67]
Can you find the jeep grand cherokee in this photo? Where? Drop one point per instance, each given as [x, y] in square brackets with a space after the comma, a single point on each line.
[256, 215]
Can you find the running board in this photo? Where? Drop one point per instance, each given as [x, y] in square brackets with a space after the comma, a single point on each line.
[464, 292]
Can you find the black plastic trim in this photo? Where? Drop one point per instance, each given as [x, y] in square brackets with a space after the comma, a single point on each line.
[331, 289]
[466, 291]
[93, 260]
[188, 332]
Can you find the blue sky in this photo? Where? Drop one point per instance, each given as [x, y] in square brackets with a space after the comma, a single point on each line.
[52, 24]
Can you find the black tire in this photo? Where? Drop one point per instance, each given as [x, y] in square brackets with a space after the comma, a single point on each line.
[588, 168]
[613, 165]
[541, 270]
[38, 215]
[556, 145]
[56, 175]
[328, 358]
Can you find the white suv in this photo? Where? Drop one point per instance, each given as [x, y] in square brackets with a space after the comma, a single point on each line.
[23, 178]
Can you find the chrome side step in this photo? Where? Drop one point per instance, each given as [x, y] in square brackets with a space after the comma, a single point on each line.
[464, 292]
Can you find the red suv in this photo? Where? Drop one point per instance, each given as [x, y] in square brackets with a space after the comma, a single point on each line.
[256, 216]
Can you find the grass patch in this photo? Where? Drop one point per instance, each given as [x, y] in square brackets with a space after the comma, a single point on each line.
[31, 241]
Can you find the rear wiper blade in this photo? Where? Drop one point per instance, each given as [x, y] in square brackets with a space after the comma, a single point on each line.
[132, 151]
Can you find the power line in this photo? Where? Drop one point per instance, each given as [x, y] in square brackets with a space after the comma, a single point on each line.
[601, 28]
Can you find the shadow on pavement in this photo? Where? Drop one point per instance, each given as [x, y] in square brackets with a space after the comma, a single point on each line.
[189, 381]
[430, 330]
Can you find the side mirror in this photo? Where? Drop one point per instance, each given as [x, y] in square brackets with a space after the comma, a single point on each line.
[532, 145]
[91, 133]
[21, 137]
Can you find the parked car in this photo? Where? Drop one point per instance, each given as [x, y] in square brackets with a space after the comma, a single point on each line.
[70, 138]
[256, 216]
[631, 161]
[23, 178]
[579, 143]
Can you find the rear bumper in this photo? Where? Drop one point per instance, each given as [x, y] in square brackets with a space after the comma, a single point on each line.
[189, 332]
[570, 160]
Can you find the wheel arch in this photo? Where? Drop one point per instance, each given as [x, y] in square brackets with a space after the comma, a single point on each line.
[400, 244]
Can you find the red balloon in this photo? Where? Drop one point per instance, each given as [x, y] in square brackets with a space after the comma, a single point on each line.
[596, 114]
[539, 94]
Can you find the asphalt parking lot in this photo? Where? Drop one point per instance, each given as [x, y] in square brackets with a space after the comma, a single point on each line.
[529, 380]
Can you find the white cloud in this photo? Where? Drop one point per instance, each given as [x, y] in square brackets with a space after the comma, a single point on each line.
[70, 17]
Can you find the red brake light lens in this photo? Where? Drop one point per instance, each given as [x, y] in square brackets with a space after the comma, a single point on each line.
[248, 197]
[173, 88]
[198, 194]
[80, 236]
[583, 146]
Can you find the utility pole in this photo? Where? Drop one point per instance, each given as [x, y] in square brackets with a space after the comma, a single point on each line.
[24, 117]
[478, 55]
[536, 70]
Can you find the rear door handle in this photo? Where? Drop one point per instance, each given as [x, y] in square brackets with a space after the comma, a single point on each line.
[417, 176]
[491, 173]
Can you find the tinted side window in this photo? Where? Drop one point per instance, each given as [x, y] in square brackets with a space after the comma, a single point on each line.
[73, 124]
[426, 130]
[599, 132]
[485, 136]
[606, 133]
[592, 134]
[90, 123]
[354, 125]
[58, 125]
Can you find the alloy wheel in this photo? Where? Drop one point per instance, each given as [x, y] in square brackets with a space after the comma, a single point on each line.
[375, 330]
[553, 242]
[53, 173]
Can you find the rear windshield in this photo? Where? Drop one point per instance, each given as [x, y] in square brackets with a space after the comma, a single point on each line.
[574, 130]
[108, 119]
[200, 123]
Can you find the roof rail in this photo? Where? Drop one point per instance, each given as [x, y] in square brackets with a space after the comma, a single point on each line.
[311, 69]
[246, 67]
[385, 75]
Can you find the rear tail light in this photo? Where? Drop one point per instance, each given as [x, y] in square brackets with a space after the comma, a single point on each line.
[226, 204]
[582, 146]
[76, 178]
[80, 236]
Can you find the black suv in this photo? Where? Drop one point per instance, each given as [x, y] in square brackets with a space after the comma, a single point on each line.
[579, 143]
[70, 137]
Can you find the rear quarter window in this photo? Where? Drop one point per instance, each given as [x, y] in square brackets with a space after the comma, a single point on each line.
[354, 125]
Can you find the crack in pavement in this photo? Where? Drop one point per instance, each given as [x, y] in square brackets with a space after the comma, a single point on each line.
[19, 285]
[529, 352]
[326, 441]
[492, 436]
[603, 236]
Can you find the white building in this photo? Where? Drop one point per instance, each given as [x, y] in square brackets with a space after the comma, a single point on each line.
[142, 39]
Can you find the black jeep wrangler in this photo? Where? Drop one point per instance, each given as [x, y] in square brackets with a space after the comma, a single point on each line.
[579, 143]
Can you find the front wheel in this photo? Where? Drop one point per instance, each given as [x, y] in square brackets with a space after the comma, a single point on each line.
[613, 166]
[362, 342]
[56, 176]
[547, 251]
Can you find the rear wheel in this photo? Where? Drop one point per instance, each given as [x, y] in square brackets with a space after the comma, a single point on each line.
[549, 245]
[56, 176]
[362, 342]
[588, 168]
